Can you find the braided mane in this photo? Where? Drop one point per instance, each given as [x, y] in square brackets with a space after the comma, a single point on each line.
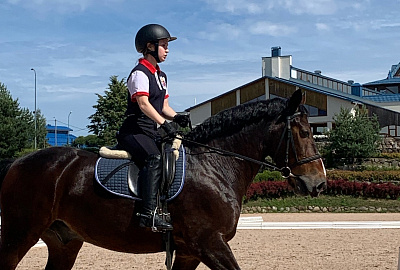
[232, 120]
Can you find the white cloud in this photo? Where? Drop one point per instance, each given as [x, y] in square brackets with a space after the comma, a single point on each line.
[365, 25]
[198, 59]
[272, 29]
[52, 46]
[61, 5]
[241, 6]
[72, 68]
[314, 7]
[322, 27]
[379, 24]
[225, 30]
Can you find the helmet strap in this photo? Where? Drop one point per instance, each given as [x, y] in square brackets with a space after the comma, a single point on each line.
[155, 52]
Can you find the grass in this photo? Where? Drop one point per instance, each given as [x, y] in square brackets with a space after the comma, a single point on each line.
[325, 201]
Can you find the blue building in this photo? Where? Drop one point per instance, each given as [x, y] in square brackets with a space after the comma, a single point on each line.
[59, 135]
[388, 86]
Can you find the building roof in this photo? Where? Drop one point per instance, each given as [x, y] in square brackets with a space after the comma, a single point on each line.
[384, 98]
[395, 71]
[223, 94]
[395, 80]
[300, 84]
[59, 128]
[392, 78]
[320, 75]
[367, 100]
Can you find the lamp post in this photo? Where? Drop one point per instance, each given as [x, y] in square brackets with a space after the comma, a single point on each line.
[55, 131]
[68, 128]
[35, 109]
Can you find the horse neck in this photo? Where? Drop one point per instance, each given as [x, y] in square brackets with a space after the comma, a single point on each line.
[248, 142]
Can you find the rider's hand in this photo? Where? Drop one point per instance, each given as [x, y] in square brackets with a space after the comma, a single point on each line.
[169, 129]
[182, 119]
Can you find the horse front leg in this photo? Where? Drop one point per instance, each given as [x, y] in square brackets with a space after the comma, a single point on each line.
[185, 261]
[212, 250]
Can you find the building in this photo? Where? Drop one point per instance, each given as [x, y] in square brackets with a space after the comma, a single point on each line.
[324, 95]
[390, 85]
[59, 135]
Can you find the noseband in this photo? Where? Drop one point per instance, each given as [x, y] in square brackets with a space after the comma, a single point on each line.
[287, 132]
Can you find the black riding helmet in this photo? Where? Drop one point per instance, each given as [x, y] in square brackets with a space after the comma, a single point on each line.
[151, 33]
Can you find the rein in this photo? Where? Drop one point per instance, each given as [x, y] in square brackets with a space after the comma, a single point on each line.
[285, 171]
[232, 154]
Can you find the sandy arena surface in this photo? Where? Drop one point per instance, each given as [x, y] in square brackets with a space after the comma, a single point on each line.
[344, 249]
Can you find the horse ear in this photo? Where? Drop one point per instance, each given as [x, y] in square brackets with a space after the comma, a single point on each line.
[303, 100]
[295, 101]
[292, 105]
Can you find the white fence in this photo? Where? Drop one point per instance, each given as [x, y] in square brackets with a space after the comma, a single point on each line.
[258, 223]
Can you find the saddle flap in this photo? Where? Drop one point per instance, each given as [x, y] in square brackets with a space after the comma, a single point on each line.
[122, 177]
[134, 176]
[169, 163]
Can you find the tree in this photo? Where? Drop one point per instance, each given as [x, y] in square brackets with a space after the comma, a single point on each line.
[41, 140]
[356, 135]
[41, 130]
[86, 141]
[110, 110]
[16, 125]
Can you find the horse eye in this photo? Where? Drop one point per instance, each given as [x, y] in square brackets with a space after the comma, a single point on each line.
[304, 133]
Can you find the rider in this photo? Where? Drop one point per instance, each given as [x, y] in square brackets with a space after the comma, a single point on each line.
[148, 107]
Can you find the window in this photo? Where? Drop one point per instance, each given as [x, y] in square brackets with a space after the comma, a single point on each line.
[315, 80]
[314, 111]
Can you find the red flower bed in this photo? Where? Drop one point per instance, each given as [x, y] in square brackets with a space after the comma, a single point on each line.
[269, 189]
[279, 189]
[363, 189]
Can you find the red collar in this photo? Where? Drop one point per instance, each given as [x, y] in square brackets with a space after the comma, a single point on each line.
[148, 65]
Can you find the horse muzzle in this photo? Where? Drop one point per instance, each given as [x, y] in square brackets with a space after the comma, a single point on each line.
[305, 185]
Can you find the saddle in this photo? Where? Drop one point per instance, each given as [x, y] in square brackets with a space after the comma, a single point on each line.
[118, 174]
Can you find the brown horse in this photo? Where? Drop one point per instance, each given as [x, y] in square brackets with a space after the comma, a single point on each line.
[51, 194]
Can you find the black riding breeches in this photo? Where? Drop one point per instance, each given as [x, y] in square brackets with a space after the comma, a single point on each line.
[140, 146]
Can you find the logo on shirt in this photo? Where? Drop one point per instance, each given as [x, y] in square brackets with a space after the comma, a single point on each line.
[163, 82]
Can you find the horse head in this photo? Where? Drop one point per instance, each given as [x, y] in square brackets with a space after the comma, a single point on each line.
[296, 152]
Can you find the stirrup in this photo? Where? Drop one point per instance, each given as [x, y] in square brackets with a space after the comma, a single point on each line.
[157, 223]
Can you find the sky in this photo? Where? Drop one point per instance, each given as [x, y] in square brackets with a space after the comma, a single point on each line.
[75, 46]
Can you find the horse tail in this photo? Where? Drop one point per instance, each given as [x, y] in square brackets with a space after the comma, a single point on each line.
[5, 165]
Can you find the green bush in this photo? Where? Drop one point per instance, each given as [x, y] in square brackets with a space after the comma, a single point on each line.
[25, 151]
[355, 135]
[365, 176]
[268, 176]
[390, 155]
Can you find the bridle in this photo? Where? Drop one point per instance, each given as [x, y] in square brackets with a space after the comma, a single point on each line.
[285, 171]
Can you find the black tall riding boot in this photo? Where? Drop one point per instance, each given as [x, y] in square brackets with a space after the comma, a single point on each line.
[150, 186]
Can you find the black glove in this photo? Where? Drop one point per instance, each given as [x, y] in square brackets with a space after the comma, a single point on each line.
[182, 119]
[169, 129]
